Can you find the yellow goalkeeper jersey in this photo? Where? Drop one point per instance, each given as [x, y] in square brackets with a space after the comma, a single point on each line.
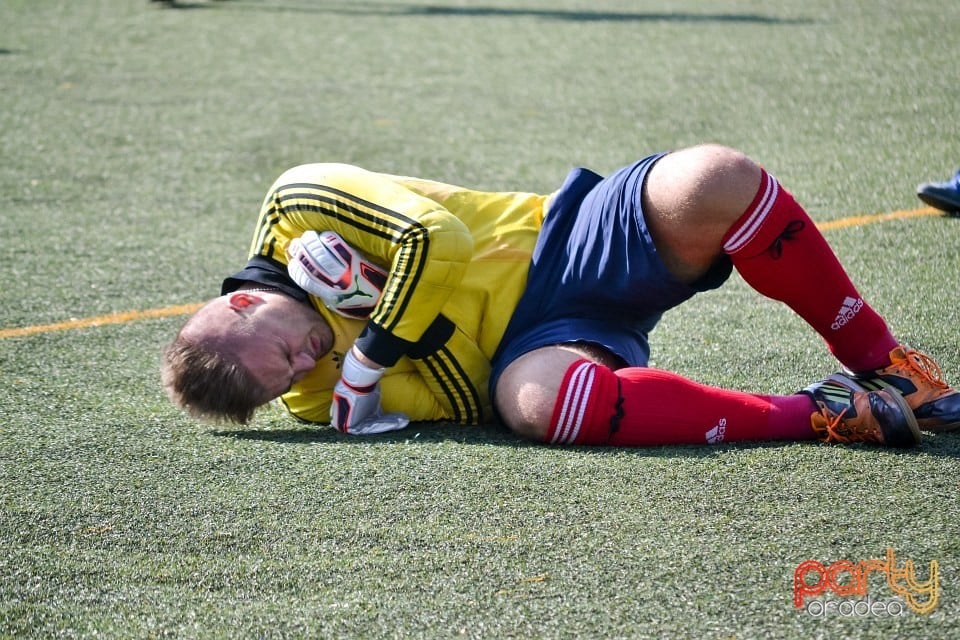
[457, 263]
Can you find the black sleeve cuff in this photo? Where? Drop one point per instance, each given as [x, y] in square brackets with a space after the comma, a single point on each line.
[385, 348]
[382, 347]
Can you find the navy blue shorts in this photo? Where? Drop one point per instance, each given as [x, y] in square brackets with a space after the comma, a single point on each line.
[595, 275]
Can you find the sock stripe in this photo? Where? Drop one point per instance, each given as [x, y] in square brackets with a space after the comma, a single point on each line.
[749, 228]
[574, 406]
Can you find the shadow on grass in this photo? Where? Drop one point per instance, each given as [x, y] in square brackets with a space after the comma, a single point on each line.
[187, 4]
[937, 445]
[417, 10]
[424, 433]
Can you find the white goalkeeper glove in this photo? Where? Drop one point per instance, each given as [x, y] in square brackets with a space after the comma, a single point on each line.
[356, 401]
[326, 266]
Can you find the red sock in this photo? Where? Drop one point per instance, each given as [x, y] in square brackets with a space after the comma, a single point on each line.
[642, 407]
[779, 251]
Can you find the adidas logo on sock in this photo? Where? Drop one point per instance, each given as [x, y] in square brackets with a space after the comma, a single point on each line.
[850, 308]
[718, 432]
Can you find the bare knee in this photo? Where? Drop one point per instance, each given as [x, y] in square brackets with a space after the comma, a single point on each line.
[690, 200]
[709, 183]
[527, 390]
[525, 404]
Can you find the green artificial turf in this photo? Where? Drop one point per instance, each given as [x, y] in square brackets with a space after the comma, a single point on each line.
[137, 142]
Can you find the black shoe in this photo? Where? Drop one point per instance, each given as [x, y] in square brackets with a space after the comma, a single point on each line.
[942, 195]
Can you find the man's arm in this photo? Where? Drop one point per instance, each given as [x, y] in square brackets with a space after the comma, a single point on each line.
[424, 248]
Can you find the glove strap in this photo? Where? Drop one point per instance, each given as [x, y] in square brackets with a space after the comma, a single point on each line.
[359, 376]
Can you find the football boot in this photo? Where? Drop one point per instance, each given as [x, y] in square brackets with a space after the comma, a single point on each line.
[919, 380]
[845, 414]
[942, 195]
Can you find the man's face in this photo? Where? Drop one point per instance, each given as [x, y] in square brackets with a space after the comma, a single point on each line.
[276, 338]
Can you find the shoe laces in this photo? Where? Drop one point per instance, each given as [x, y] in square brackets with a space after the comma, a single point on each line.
[834, 420]
[924, 367]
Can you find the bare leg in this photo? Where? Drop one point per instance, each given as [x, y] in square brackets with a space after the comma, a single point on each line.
[528, 388]
[690, 200]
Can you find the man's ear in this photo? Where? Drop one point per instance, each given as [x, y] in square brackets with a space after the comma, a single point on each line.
[241, 300]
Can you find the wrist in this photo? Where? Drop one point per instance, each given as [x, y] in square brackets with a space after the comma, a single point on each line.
[359, 371]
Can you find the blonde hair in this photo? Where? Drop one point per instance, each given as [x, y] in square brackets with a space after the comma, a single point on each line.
[208, 383]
